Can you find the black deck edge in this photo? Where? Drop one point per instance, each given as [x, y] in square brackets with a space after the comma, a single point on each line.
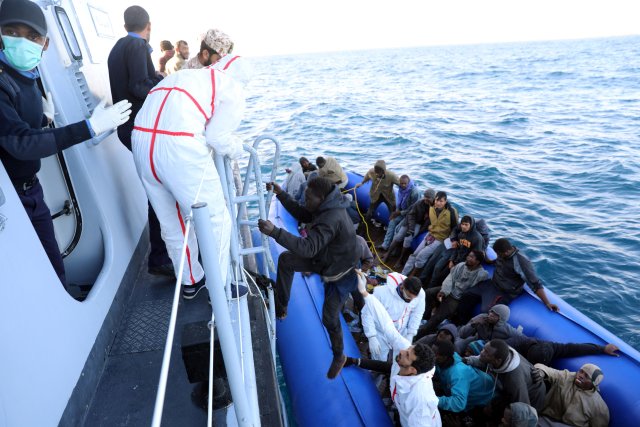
[267, 385]
[80, 401]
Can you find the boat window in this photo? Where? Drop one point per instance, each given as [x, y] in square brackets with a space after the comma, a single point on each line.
[69, 35]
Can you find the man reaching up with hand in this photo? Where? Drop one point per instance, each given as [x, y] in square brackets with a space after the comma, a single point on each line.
[329, 250]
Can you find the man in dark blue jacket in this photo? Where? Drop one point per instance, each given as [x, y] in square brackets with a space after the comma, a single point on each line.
[23, 141]
[329, 250]
[132, 75]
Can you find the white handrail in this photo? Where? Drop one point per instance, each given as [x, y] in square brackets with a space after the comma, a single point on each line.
[166, 358]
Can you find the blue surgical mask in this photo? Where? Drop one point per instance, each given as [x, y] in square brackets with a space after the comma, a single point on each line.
[22, 54]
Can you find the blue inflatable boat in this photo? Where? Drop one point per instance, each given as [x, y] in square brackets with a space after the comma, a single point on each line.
[352, 399]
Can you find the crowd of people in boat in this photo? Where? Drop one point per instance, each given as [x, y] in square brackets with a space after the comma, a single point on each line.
[439, 373]
[443, 365]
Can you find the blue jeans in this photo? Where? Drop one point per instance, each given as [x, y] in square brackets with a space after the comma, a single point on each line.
[394, 225]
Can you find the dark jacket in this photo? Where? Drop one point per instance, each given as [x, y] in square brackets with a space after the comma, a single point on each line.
[132, 75]
[331, 238]
[472, 239]
[23, 141]
[418, 214]
[480, 329]
[511, 274]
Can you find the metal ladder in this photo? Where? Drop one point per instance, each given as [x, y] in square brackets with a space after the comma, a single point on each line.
[237, 206]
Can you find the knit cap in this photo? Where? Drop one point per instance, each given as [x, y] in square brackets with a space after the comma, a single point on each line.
[218, 41]
[594, 373]
[502, 311]
[430, 193]
[476, 347]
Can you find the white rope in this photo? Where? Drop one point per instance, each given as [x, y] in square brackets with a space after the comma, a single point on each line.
[166, 358]
[264, 303]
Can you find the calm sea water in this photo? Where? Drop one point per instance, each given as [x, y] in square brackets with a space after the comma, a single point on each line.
[541, 139]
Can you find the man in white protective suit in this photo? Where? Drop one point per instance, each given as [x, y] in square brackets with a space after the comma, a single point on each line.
[186, 117]
[412, 370]
[404, 301]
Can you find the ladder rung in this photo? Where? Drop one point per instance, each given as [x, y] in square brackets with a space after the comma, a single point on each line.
[249, 251]
[243, 199]
[248, 222]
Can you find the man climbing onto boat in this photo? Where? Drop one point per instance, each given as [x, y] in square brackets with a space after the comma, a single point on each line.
[329, 249]
[381, 191]
[513, 270]
[412, 369]
[184, 118]
[574, 397]
[24, 115]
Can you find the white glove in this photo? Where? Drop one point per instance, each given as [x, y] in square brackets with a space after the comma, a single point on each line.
[374, 348]
[104, 119]
[47, 107]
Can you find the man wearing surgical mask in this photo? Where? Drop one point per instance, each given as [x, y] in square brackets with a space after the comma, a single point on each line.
[24, 113]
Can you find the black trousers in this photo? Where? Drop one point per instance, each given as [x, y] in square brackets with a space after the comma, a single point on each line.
[374, 206]
[444, 310]
[334, 296]
[40, 216]
[545, 351]
[158, 255]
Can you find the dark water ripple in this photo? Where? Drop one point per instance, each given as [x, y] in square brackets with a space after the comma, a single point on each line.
[540, 139]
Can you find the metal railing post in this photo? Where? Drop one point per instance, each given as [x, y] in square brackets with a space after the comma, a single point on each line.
[216, 287]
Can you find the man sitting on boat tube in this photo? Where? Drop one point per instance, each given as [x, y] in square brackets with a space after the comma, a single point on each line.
[329, 249]
[412, 370]
[513, 270]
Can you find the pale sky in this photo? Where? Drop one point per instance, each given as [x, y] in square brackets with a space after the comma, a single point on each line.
[271, 27]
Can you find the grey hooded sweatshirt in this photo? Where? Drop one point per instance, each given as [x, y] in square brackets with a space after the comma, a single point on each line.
[480, 329]
[515, 376]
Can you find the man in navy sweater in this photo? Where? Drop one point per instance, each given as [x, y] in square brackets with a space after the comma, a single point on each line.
[132, 75]
[23, 140]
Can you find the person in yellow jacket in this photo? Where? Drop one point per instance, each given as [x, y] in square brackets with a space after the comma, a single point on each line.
[442, 219]
[381, 191]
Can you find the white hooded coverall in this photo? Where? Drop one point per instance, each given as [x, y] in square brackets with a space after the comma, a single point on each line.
[185, 116]
[413, 395]
[406, 316]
